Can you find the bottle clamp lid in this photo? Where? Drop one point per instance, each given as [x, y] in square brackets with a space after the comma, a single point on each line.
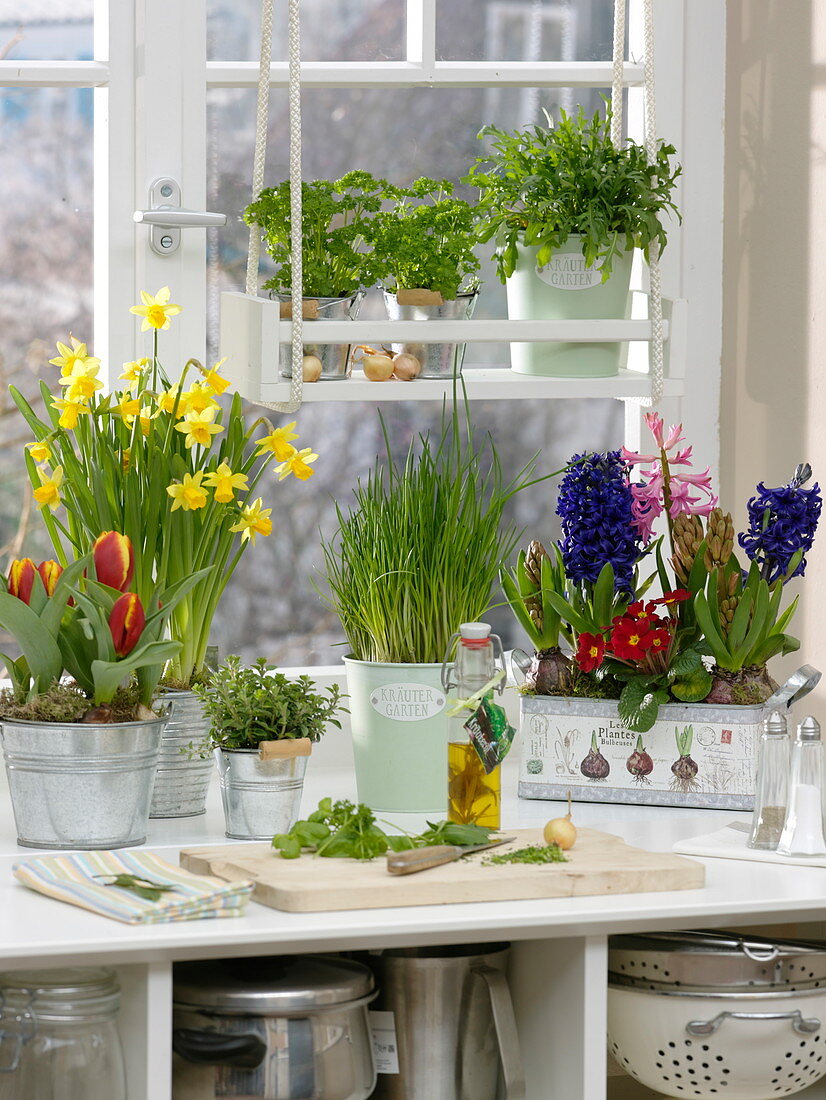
[474, 632]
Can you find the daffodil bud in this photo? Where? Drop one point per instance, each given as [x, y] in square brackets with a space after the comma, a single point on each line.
[114, 559]
[21, 579]
[126, 623]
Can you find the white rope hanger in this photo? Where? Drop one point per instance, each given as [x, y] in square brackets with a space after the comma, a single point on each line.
[655, 300]
[261, 122]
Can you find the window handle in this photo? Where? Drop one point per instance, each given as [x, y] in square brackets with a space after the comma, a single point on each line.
[166, 218]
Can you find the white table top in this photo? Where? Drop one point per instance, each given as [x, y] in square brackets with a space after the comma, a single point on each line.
[35, 930]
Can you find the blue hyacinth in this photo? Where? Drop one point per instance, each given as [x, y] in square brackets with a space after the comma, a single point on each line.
[782, 522]
[594, 507]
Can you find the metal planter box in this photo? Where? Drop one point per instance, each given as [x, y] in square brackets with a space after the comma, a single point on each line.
[556, 736]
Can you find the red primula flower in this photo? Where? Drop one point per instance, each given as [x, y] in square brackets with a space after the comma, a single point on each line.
[630, 639]
[659, 640]
[638, 610]
[679, 595]
[590, 651]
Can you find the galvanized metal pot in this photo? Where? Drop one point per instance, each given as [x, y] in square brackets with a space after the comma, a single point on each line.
[183, 775]
[78, 786]
[438, 360]
[335, 358]
[261, 797]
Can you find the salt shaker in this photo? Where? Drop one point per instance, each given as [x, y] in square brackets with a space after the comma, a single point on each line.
[803, 828]
[771, 792]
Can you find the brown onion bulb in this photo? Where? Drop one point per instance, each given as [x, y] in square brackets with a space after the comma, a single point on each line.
[378, 368]
[406, 367]
[311, 368]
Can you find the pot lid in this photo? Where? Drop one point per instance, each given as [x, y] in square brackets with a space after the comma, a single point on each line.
[715, 960]
[269, 986]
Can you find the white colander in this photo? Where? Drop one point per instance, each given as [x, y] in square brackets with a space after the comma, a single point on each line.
[719, 1046]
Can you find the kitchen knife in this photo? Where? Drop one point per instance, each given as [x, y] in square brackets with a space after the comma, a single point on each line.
[421, 859]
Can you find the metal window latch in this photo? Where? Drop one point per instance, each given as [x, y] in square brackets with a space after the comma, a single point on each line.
[166, 219]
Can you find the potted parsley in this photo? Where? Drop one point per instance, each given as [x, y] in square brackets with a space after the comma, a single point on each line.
[336, 266]
[566, 209]
[263, 726]
[423, 252]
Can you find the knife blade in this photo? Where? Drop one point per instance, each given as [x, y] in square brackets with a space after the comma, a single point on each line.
[421, 859]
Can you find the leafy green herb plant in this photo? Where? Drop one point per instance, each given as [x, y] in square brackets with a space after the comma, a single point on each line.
[249, 705]
[335, 215]
[541, 185]
[425, 239]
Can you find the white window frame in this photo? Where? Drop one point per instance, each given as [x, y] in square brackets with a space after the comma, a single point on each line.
[151, 78]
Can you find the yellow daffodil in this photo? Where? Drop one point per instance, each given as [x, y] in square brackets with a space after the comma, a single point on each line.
[126, 458]
[188, 494]
[199, 428]
[166, 401]
[48, 493]
[197, 398]
[40, 451]
[70, 356]
[127, 410]
[214, 380]
[82, 382]
[146, 417]
[132, 371]
[69, 412]
[156, 309]
[225, 482]
[254, 521]
[297, 464]
[277, 442]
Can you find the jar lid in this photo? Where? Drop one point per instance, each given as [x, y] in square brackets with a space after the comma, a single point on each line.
[73, 992]
[269, 986]
[474, 632]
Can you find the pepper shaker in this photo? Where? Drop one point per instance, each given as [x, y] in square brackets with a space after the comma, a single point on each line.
[772, 787]
[803, 828]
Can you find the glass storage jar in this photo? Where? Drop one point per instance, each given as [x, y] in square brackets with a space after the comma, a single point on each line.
[58, 1036]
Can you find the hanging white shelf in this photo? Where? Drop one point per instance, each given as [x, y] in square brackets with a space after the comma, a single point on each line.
[252, 333]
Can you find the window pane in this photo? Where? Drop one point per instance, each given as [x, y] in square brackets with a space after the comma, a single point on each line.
[45, 265]
[524, 30]
[46, 30]
[331, 30]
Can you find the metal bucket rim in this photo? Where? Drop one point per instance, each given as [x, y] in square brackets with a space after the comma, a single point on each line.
[461, 294]
[275, 296]
[91, 727]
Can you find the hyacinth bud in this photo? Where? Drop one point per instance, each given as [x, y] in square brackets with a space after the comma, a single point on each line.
[719, 538]
[126, 623]
[49, 572]
[114, 559]
[533, 561]
[21, 579]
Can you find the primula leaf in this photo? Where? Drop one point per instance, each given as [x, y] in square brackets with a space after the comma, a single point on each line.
[639, 704]
[692, 688]
[685, 663]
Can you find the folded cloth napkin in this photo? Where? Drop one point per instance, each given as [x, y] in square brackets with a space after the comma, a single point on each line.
[80, 879]
[730, 843]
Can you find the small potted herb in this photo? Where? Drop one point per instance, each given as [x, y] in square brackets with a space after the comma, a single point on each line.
[336, 266]
[263, 728]
[566, 209]
[423, 251]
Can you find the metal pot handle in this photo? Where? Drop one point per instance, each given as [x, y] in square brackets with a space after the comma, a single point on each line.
[507, 1036]
[801, 1024]
[217, 1048]
[798, 685]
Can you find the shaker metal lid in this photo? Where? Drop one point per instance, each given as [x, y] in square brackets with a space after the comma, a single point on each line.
[268, 986]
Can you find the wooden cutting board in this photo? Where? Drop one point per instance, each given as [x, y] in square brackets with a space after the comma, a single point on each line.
[598, 864]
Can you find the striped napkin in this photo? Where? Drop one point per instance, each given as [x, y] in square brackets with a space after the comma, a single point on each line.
[76, 879]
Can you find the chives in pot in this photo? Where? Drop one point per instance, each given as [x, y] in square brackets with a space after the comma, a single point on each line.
[263, 728]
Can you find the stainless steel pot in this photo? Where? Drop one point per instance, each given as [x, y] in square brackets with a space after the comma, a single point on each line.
[185, 764]
[438, 360]
[292, 1028]
[335, 358]
[261, 797]
[450, 1011]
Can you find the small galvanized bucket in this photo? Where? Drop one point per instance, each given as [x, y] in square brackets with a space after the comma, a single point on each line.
[80, 786]
[261, 797]
[335, 358]
[185, 763]
[438, 360]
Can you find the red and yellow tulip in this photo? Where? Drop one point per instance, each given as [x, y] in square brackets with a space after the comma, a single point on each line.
[21, 579]
[114, 559]
[126, 623]
[49, 573]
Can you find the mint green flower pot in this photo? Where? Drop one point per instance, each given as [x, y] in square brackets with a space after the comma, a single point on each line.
[400, 733]
[565, 289]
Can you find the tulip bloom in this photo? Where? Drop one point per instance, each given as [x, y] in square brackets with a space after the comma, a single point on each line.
[49, 572]
[114, 559]
[21, 579]
[126, 623]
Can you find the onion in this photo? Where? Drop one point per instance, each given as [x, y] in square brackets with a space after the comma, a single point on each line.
[406, 367]
[561, 830]
[378, 368]
[311, 368]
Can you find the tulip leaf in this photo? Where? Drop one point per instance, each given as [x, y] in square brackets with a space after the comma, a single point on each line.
[108, 675]
[53, 611]
[41, 651]
[18, 672]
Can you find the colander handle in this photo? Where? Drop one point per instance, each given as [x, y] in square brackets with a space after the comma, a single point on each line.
[801, 1024]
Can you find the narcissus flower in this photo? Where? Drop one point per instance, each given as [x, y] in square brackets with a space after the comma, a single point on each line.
[590, 651]
[297, 464]
[198, 428]
[40, 452]
[126, 622]
[69, 412]
[166, 401]
[155, 309]
[21, 579]
[127, 409]
[278, 443]
[188, 494]
[114, 558]
[48, 492]
[70, 357]
[225, 483]
[254, 521]
[83, 382]
[197, 399]
[214, 380]
[49, 573]
[132, 371]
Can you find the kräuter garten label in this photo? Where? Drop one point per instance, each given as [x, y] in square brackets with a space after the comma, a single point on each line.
[407, 702]
[568, 271]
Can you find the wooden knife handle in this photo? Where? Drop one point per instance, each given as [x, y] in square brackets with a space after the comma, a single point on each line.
[420, 859]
